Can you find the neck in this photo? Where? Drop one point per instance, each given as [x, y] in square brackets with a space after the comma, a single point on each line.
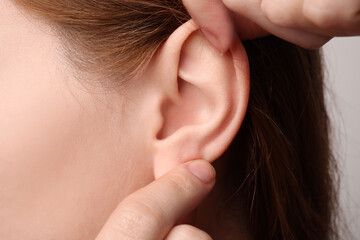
[219, 217]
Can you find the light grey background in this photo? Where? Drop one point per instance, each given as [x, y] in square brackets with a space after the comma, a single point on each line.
[342, 62]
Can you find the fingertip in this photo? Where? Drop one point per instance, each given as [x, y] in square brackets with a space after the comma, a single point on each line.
[220, 34]
[203, 170]
[214, 20]
[215, 41]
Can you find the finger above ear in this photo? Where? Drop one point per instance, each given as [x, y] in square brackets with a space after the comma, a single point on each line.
[214, 21]
[151, 212]
[216, 18]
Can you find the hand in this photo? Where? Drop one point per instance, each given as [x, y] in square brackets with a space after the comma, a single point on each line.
[307, 23]
[152, 212]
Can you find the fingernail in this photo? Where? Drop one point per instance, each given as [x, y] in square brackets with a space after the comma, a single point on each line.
[213, 40]
[202, 170]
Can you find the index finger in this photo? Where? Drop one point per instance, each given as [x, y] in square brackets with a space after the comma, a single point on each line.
[214, 21]
[153, 210]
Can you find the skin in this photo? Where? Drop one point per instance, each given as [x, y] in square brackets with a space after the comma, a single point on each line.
[72, 162]
[70, 156]
[61, 142]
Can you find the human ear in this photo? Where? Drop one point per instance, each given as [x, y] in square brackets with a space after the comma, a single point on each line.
[202, 97]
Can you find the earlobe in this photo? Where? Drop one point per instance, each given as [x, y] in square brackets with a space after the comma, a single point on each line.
[203, 97]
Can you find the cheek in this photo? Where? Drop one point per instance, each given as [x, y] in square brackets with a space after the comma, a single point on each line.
[64, 161]
[36, 125]
[31, 108]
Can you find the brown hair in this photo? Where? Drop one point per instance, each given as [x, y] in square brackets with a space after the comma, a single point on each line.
[279, 168]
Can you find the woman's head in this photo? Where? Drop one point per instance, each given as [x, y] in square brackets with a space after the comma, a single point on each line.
[101, 97]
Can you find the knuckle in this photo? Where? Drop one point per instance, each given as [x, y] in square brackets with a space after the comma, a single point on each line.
[326, 15]
[136, 219]
[277, 13]
[181, 184]
[126, 224]
[319, 17]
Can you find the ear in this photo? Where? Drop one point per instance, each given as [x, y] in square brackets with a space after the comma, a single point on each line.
[202, 98]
